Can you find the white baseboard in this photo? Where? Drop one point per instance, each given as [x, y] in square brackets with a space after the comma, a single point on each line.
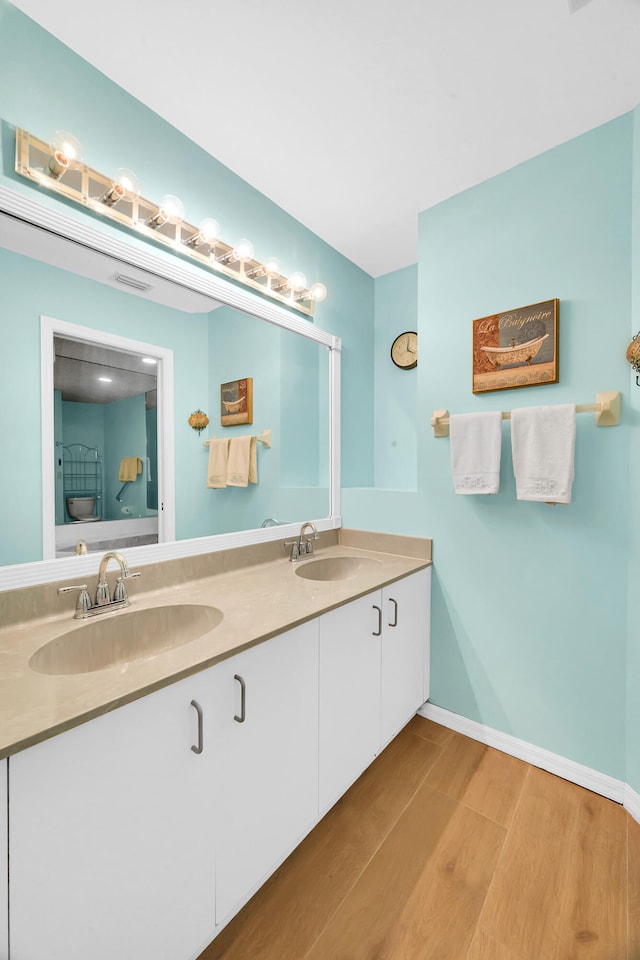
[567, 769]
[632, 802]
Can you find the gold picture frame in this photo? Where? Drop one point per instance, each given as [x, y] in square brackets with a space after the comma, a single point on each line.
[517, 348]
[236, 402]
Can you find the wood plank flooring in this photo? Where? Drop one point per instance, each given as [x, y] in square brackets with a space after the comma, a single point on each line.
[446, 849]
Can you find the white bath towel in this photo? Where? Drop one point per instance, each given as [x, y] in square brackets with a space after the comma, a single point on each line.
[476, 442]
[242, 468]
[217, 467]
[542, 444]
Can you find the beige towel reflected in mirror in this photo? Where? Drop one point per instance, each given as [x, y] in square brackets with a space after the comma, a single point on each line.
[217, 469]
[242, 465]
[130, 469]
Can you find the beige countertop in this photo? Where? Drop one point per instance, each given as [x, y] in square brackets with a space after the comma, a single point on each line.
[257, 602]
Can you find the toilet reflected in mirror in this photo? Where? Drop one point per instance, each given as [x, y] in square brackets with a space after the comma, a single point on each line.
[81, 509]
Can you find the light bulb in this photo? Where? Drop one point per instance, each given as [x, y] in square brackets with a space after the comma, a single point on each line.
[297, 281]
[66, 144]
[264, 269]
[128, 181]
[243, 251]
[171, 209]
[64, 149]
[209, 230]
[318, 292]
[124, 184]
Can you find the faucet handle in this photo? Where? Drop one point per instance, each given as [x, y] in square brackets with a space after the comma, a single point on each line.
[102, 593]
[120, 592]
[83, 603]
[295, 548]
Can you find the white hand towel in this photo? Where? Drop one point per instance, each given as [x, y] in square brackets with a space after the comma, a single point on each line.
[217, 468]
[476, 443]
[542, 443]
[239, 461]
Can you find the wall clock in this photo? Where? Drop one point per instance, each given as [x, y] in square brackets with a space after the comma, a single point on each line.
[404, 350]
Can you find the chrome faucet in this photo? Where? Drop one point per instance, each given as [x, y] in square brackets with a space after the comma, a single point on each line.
[102, 590]
[301, 548]
[103, 601]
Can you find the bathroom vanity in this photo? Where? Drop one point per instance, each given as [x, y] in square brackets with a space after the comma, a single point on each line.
[142, 831]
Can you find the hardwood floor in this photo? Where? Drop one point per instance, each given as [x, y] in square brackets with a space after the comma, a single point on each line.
[446, 849]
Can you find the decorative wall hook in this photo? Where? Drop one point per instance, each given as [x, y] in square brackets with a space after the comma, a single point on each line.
[198, 420]
[633, 355]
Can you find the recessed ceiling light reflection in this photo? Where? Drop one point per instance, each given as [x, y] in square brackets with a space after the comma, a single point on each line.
[149, 360]
[105, 379]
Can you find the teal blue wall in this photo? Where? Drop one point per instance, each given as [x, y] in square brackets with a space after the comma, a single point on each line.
[395, 436]
[125, 432]
[167, 162]
[529, 623]
[83, 423]
[241, 346]
[633, 510]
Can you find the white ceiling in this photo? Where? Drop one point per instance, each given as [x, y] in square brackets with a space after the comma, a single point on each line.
[354, 115]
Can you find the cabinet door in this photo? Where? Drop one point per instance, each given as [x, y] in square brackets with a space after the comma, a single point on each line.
[405, 653]
[349, 694]
[111, 836]
[4, 865]
[266, 759]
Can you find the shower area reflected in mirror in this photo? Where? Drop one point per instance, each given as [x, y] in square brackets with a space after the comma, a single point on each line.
[106, 442]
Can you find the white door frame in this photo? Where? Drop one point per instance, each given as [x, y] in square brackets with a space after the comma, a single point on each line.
[50, 327]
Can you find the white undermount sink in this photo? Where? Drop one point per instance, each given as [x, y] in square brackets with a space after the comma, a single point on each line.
[334, 568]
[123, 637]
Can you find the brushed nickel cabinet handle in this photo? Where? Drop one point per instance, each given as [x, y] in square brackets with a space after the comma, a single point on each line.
[379, 620]
[198, 708]
[243, 699]
[395, 612]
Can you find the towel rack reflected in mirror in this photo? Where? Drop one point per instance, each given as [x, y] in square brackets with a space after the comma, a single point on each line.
[606, 409]
[263, 438]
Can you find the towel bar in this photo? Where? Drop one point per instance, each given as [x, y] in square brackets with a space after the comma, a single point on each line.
[264, 438]
[606, 409]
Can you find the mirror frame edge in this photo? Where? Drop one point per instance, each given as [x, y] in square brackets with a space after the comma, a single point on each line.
[16, 576]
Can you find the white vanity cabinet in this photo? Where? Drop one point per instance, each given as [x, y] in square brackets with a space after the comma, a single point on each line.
[139, 833]
[112, 834]
[265, 759]
[405, 608]
[4, 865]
[374, 674]
[350, 662]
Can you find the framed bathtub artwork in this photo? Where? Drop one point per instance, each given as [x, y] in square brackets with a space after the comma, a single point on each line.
[517, 348]
[236, 402]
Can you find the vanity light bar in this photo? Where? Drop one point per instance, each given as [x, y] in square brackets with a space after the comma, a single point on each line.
[96, 192]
